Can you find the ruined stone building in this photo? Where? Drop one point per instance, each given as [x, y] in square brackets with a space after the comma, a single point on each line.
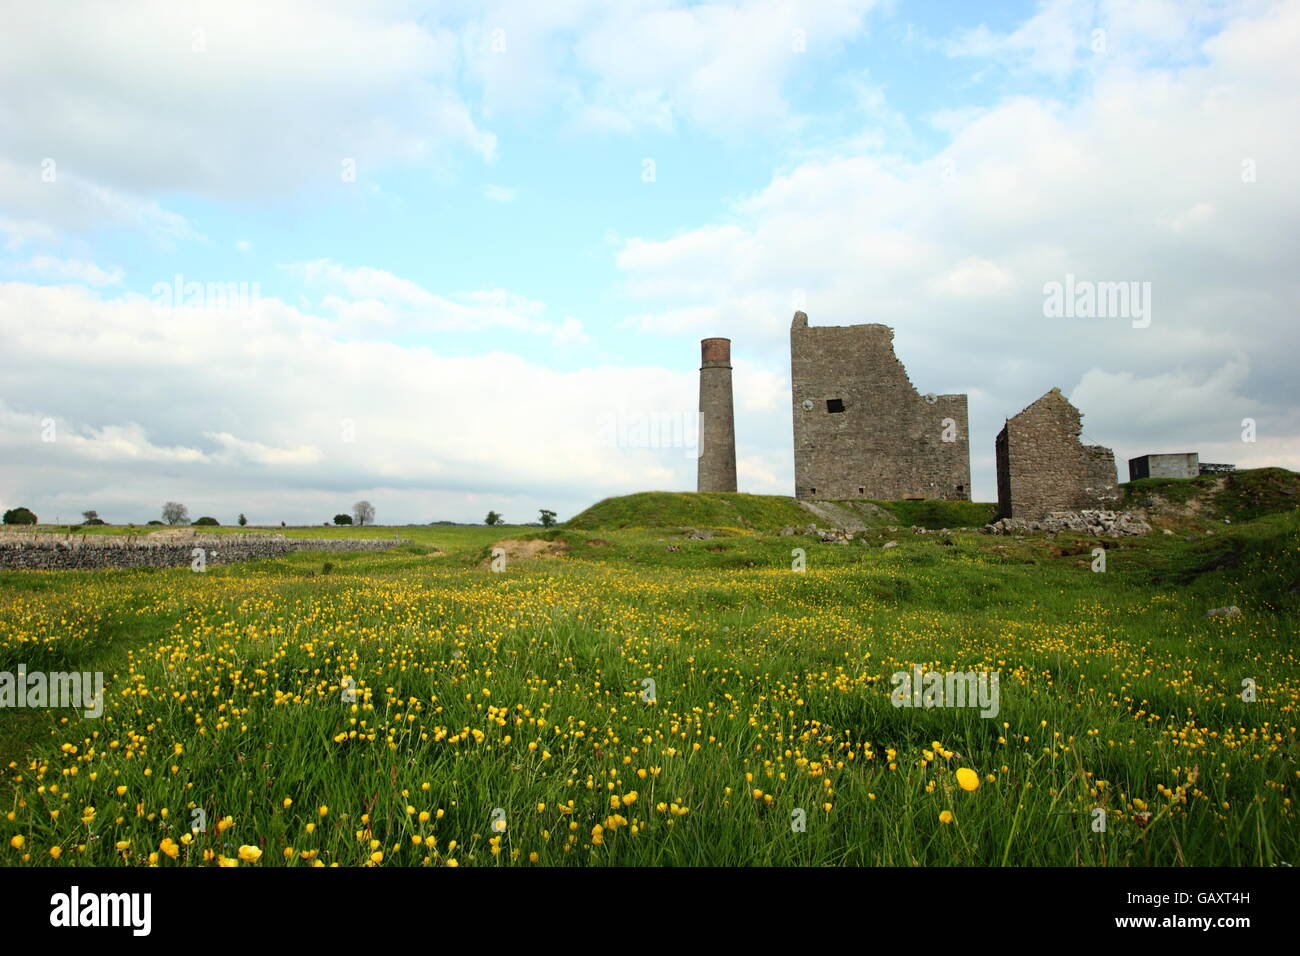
[860, 428]
[717, 436]
[1042, 466]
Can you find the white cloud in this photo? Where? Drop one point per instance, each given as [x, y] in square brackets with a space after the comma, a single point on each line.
[251, 410]
[71, 270]
[1138, 178]
[238, 450]
[365, 301]
[155, 101]
[499, 193]
[645, 109]
[973, 277]
[570, 332]
[647, 64]
[1065, 36]
[43, 210]
[1183, 410]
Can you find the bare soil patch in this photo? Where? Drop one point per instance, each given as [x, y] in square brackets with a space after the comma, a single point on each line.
[521, 550]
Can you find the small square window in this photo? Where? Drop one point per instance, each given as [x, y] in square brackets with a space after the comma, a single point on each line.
[834, 404]
[862, 491]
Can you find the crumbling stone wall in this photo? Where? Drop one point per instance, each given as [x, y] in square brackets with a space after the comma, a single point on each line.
[1043, 467]
[861, 430]
[50, 552]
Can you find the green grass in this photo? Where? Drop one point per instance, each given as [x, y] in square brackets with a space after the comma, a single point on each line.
[665, 509]
[479, 691]
[662, 509]
[933, 513]
[1250, 493]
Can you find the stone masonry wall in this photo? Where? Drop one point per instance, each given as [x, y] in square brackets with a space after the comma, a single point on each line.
[1043, 468]
[888, 441]
[717, 464]
[50, 552]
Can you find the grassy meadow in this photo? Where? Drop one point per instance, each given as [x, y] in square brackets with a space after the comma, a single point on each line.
[506, 718]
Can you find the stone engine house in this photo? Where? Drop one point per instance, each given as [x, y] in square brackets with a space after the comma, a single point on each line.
[861, 430]
[1042, 466]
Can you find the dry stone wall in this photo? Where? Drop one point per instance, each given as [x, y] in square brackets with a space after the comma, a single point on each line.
[49, 552]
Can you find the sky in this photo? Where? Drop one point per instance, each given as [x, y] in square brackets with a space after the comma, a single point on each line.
[274, 258]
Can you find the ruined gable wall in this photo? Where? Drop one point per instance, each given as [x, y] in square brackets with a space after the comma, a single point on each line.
[1042, 467]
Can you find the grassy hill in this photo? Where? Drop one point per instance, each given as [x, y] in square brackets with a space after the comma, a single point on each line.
[668, 509]
[671, 509]
[1236, 496]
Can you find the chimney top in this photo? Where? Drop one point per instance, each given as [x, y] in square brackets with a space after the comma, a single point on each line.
[715, 352]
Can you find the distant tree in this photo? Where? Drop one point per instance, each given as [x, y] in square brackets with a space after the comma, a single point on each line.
[363, 512]
[175, 513]
[20, 516]
[242, 520]
[207, 522]
[492, 518]
[343, 519]
[90, 516]
[548, 518]
[155, 521]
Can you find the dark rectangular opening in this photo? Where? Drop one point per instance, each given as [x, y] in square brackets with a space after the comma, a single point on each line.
[834, 404]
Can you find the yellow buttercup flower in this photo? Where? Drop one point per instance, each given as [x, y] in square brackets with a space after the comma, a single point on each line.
[968, 779]
[250, 854]
[946, 816]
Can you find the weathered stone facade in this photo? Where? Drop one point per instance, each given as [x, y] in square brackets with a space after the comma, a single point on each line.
[1043, 468]
[717, 465]
[861, 430]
